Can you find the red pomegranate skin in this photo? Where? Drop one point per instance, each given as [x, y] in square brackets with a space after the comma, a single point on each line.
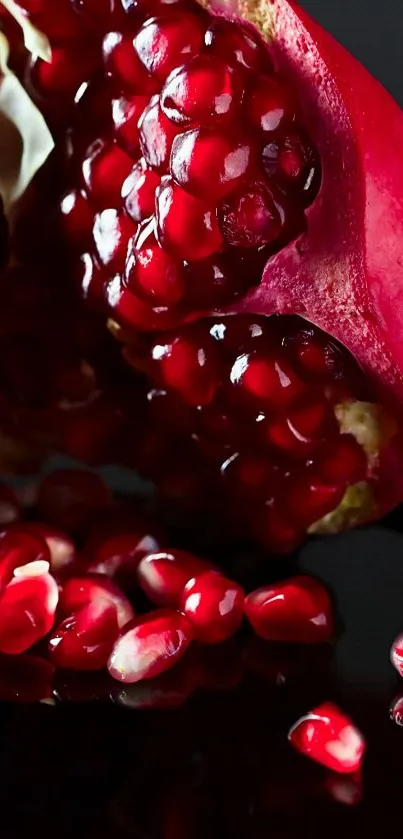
[346, 274]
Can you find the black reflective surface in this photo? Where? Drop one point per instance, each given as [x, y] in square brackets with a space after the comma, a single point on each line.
[219, 765]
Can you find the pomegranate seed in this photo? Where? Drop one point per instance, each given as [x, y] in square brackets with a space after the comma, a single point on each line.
[205, 90]
[25, 679]
[71, 499]
[263, 380]
[61, 548]
[119, 556]
[10, 510]
[126, 113]
[60, 79]
[104, 14]
[138, 191]
[58, 24]
[276, 529]
[295, 164]
[105, 169]
[163, 576]
[214, 606]
[237, 43]
[77, 219]
[156, 135]
[19, 547]
[189, 366]
[150, 645]
[164, 43]
[345, 462]
[153, 273]
[304, 425]
[130, 309]
[85, 640]
[268, 104]
[226, 159]
[27, 608]
[186, 226]
[396, 654]
[308, 500]
[293, 611]
[249, 475]
[112, 232]
[328, 736]
[396, 710]
[123, 64]
[252, 217]
[345, 790]
[78, 592]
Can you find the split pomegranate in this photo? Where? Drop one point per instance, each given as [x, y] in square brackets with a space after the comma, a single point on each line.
[328, 736]
[295, 611]
[203, 166]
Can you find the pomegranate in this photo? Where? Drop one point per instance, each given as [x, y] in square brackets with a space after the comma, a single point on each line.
[329, 737]
[150, 645]
[295, 611]
[205, 157]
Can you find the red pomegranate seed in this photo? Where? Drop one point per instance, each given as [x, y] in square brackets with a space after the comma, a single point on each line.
[19, 547]
[25, 678]
[156, 135]
[163, 576]
[60, 79]
[27, 608]
[304, 424]
[264, 380]
[104, 14]
[59, 23]
[249, 475]
[71, 499]
[294, 163]
[205, 90]
[214, 606]
[77, 219]
[78, 592]
[123, 64]
[344, 462]
[126, 113]
[396, 654]
[345, 790]
[274, 528]
[308, 500]
[296, 611]
[138, 191]
[105, 169]
[112, 232]
[253, 216]
[186, 226]
[61, 548]
[151, 272]
[396, 710]
[85, 640]
[268, 104]
[119, 556]
[164, 43]
[133, 311]
[10, 510]
[227, 159]
[237, 43]
[190, 366]
[328, 736]
[150, 645]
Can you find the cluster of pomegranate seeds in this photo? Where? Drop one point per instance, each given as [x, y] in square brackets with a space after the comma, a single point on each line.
[328, 736]
[245, 410]
[153, 98]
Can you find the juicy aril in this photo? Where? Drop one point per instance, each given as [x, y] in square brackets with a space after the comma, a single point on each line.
[210, 172]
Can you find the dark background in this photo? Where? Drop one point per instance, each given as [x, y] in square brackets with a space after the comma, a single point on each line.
[219, 766]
